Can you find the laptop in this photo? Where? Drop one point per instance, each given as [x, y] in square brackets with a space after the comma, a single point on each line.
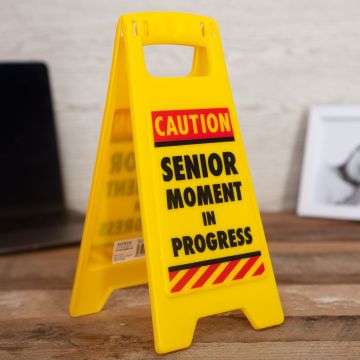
[33, 214]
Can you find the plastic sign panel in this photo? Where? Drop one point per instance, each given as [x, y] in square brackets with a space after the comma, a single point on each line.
[172, 182]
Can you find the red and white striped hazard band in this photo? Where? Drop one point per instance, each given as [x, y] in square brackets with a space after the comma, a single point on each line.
[215, 271]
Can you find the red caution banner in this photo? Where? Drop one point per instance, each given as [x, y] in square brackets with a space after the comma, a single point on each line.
[216, 271]
[186, 127]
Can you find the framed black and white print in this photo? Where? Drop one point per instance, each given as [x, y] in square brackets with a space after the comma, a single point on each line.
[330, 179]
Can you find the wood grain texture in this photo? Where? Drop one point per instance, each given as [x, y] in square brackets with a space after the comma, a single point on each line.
[318, 281]
[282, 57]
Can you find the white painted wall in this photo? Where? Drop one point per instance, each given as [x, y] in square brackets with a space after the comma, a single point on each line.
[283, 56]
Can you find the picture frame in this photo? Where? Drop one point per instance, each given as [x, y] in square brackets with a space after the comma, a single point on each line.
[330, 178]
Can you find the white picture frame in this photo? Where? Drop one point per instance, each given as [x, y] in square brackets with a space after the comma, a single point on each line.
[331, 164]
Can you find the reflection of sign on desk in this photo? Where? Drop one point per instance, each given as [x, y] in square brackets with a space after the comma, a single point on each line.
[205, 248]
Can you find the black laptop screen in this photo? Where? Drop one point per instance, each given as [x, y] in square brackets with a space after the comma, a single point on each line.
[30, 179]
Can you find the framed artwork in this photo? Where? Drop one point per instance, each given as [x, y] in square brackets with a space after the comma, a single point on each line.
[330, 179]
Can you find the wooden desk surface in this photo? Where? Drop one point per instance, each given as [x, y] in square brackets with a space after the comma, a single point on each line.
[317, 265]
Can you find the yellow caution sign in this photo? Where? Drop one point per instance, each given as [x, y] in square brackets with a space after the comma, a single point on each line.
[205, 247]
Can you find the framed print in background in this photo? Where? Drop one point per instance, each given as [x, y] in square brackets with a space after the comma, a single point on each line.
[330, 179]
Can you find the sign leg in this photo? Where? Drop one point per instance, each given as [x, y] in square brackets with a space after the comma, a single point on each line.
[173, 333]
[265, 310]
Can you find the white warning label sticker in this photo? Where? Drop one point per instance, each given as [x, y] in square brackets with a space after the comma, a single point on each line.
[129, 249]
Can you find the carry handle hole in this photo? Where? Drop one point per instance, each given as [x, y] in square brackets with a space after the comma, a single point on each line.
[135, 31]
[169, 60]
[202, 29]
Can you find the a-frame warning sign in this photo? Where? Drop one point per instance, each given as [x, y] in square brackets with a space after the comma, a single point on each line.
[205, 249]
